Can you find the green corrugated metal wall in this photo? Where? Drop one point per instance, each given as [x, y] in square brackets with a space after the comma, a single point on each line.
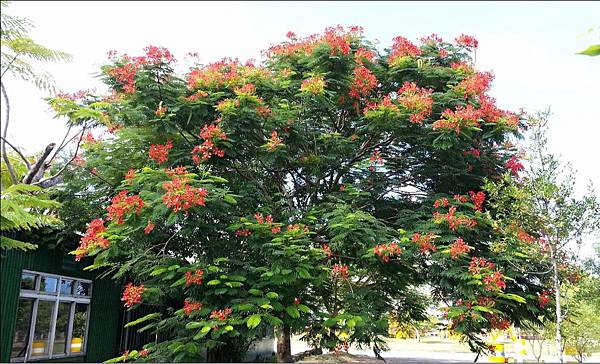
[105, 310]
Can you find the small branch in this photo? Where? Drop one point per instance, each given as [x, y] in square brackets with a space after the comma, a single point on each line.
[68, 163]
[62, 144]
[18, 152]
[39, 164]
[10, 64]
[9, 166]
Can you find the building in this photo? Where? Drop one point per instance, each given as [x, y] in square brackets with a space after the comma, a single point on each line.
[53, 310]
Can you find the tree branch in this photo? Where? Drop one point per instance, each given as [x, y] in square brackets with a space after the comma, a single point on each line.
[18, 152]
[9, 166]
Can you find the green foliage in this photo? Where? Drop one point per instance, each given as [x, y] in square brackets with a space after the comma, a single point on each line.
[25, 207]
[593, 50]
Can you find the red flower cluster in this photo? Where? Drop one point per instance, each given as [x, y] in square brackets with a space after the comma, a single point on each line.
[181, 196]
[268, 220]
[459, 247]
[497, 322]
[494, 281]
[197, 96]
[327, 250]
[454, 221]
[337, 40]
[460, 198]
[92, 239]
[363, 82]
[467, 41]
[297, 301]
[211, 134]
[125, 75]
[221, 315]
[223, 72]
[459, 118]
[431, 39]
[462, 67]
[385, 251]
[144, 353]
[243, 232]
[340, 270]
[515, 165]
[524, 237]
[478, 264]
[385, 105]
[132, 295]
[474, 152]
[417, 100]
[123, 204]
[160, 153]
[361, 54]
[246, 90]
[158, 55]
[194, 278]
[401, 48]
[425, 242]
[130, 174]
[274, 141]
[263, 111]
[149, 227]
[441, 202]
[89, 139]
[78, 161]
[177, 171]
[190, 306]
[475, 84]
[478, 199]
[544, 298]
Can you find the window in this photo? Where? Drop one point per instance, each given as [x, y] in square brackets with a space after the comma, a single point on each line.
[52, 317]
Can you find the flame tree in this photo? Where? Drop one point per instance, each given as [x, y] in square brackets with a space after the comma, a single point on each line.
[314, 192]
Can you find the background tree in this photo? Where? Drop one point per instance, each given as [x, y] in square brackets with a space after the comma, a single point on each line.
[315, 192]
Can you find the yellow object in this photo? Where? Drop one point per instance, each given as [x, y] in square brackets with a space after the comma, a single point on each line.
[498, 358]
[38, 347]
[76, 344]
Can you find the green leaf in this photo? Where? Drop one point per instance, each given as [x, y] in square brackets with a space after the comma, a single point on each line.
[272, 295]
[193, 325]
[213, 282]
[253, 321]
[593, 50]
[303, 273]
[142, 319]
[513, 297]
[292, 311]
[255, 292]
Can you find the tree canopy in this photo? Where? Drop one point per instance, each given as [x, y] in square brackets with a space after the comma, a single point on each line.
[314, 192]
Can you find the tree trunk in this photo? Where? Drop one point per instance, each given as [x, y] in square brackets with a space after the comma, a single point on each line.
[284, 345]
[559, 347]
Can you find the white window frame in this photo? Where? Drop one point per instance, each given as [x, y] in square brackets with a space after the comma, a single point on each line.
[56, 298]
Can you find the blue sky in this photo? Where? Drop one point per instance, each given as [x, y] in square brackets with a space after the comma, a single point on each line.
[530, 47]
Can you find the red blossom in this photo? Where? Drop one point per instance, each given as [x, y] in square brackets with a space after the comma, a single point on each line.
[544, 298]
[431, 39]
[275, 229]
[125, 75]
[417, 100]
[515, 165]
[190, 306]
[478, 199]
[89, 139]
[177, 171]
[297, 301]
[221, 315]
[243, 232]
[363, 82]
[246, 90]
[338, 41]
[180, 196]
[194, 278]
[401, 48]
[314, 85]
[149, 227]
[524, 237]
[327, 250]
[385, 251]
[132, 295]
[425, 242]
[160, 153]
[475, 84]
[157, 55]
[123, 204]
[474, 152]
[454, 221]
[92, 239]
[457, 119]
[130, 174]
[494, 281]
[497, 322]
[441, 202]
[340, 270]
[274, 141]
[463, 67]
[362, 54]
[478, 264]
[467, 41]
[144, 353]
[460, 198]
[458, 248]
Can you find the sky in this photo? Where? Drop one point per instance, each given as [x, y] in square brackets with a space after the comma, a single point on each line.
[529, 46]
